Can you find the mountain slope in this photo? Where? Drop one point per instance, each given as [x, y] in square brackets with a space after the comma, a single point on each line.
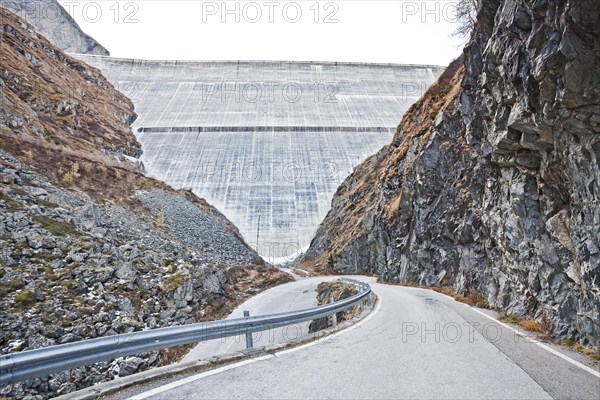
[53, 21]
[89, 246]
[492, 182]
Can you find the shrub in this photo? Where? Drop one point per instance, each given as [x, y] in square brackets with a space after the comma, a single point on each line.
[25, 299]
[11, 286]
[57, 228]
[13, 205]
[71, 175]
[172, 282]
[530, 325]
[160, 220]
[476, 299]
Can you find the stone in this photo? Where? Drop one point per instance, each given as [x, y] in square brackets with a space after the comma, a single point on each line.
[38, 191]
[34, 240]
[125, 271]
[129, 366]
[558, 226]
[68, 338]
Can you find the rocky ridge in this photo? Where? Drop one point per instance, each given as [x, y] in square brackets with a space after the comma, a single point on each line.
[54, 22]
[492, 181]
[50, 98]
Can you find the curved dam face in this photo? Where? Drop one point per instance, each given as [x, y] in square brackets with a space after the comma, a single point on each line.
[267, 143]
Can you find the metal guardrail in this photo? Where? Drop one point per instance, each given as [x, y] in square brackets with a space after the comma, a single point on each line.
[41, 362]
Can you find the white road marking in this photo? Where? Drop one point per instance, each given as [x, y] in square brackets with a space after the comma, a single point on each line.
[542, 345]
[194, 378]
[190, 379]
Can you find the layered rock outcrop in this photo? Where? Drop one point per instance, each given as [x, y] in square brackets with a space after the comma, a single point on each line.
[492, 181]
[53, 21]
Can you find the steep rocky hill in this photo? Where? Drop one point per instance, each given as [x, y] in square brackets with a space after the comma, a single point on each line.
[89, 246]
[54, 22]
[492, 181]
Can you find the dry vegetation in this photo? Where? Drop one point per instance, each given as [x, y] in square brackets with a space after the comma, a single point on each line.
[543, 330]
[58, 99]
[472, 298]
[579, 348]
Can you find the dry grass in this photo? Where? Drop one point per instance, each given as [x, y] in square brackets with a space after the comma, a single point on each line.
[473, 297]
[509, 319]
[594, 354]
[160, 220]
[316, 266]
[542, 327]
[530, 325]
[60, 99]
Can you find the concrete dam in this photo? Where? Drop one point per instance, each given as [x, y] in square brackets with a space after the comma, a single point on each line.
[267, 143]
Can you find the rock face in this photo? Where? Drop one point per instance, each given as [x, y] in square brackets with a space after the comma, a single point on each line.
[492, 181]
[333, 291]
[53, 21]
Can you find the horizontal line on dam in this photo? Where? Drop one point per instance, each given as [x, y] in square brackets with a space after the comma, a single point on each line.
[197, 129]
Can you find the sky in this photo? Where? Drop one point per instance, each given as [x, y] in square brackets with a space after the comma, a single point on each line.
[394, 31]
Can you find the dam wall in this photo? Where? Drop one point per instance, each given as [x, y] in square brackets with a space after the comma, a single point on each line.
[265, 142]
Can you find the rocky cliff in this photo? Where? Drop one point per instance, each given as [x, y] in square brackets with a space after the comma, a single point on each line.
[492, 181]
[89, 246]
[54, 22]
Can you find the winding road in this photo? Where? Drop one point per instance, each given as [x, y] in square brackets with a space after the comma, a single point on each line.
[415, 344]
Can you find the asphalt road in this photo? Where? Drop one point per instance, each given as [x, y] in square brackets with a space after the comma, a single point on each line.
[416, 344]
[290, 296]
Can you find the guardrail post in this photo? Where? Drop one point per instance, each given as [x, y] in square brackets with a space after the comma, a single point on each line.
[249, 343]
[334, 315]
